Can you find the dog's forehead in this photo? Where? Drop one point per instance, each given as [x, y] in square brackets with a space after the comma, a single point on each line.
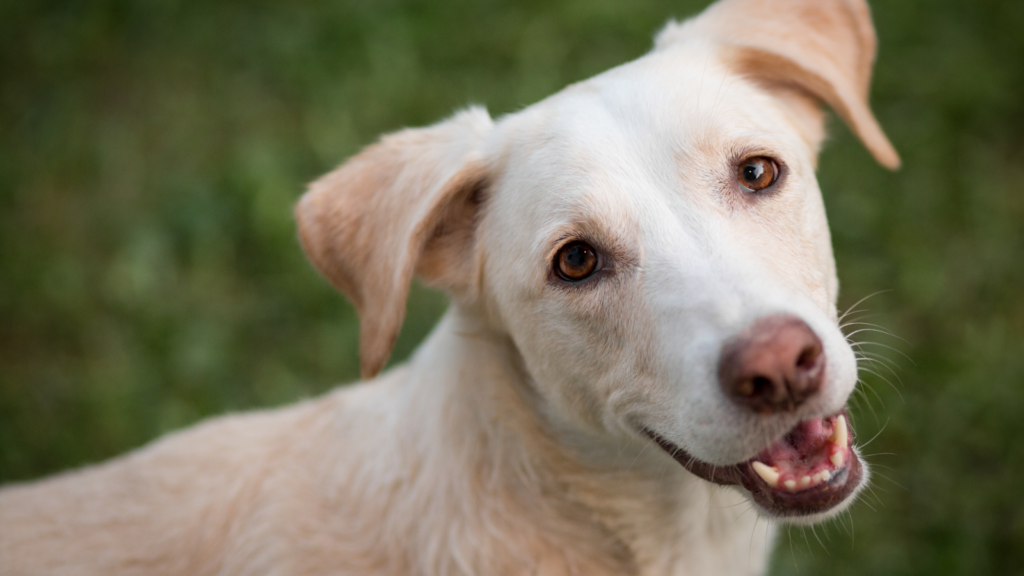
[653, 114]
[649, 136]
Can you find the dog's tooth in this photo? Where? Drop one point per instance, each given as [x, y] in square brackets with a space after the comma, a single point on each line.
[841, 434]
[790, 484]
[825, 476]
[837, 459]
[769, 474]
[805, 481]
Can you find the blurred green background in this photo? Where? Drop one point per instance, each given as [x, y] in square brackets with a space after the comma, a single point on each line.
[150, 153]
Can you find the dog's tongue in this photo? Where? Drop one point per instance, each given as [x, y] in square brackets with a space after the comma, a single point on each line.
[806, 457]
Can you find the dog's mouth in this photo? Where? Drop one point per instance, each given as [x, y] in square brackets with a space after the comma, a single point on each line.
[810, 470]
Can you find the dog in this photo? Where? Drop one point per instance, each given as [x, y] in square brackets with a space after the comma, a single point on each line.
[642, 341]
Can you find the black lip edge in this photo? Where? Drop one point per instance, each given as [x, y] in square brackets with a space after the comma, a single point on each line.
[816, 500]
[727, 475]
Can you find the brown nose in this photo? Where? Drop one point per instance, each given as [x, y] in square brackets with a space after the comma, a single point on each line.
[773, 366]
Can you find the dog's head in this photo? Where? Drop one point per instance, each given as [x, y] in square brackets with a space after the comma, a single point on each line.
[652, 240]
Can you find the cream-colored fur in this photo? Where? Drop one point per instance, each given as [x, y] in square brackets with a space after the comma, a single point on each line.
[512, 442]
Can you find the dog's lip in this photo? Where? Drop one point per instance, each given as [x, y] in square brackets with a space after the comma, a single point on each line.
[778, 500]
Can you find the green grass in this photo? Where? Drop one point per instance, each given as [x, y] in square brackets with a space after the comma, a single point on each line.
[150, 152]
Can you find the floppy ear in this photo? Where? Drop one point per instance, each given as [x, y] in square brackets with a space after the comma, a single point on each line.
[400, 204]
[823, 47]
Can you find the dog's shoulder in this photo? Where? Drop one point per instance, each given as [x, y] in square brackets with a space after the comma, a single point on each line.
[185, 501]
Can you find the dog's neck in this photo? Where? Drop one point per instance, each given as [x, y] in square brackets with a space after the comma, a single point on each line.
[504, 488]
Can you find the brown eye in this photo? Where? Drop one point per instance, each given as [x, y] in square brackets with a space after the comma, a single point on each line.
[576, 261]
[757, 173]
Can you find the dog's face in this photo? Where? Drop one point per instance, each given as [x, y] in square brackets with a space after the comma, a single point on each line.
[652, 240]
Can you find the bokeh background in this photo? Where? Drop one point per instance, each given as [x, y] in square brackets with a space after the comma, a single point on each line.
[150, 276]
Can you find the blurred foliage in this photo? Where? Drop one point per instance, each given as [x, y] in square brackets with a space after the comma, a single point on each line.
[150, 274]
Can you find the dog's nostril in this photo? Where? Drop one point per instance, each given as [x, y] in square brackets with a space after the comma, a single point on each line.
[755, 386]
[774, 365]
[762, 386]
[808, 359]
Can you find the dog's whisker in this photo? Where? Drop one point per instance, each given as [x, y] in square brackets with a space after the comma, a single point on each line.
[883, 329]
[879, 487]
[877, 434]
[861, 301]
[867, 386]
[883, 345]
[886, 380]
[874, 331]
[859, 314]
[828, 534]
[877, 357]
[861, 389]
[870, 492]
[807, 541]
[879, 362]
[637, 457]
[876, 363]
[839, 521]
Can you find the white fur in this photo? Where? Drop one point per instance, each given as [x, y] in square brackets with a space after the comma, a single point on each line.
[511, 442]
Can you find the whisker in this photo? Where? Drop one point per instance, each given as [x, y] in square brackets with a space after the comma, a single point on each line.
[891, 480]
[858, 316]
[887, 381]
[818, 538]
[880, 364]
[870, 388]
[877, 434]
[750, 545]
[877, 331]
[838, 520]
[861, 353]
[638, 454]
[878, 327]
[859, 391]
[889, 369]
[861, 301]
[883, 466]
[871, 490]
[792, 552]
[896, 350]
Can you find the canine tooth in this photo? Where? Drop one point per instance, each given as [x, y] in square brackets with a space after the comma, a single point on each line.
[790, 484]
[769, 474]
[837, 459]
[841, 435]
[805, 481]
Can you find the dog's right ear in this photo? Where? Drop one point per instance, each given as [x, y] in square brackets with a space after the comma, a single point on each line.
[403, 205]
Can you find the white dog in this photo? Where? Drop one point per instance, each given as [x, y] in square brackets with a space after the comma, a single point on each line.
[642, 342]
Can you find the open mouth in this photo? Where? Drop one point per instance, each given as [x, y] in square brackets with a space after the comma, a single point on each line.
[810, 470]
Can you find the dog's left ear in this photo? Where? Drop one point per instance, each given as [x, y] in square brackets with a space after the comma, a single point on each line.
[402, 206]
[822, 47]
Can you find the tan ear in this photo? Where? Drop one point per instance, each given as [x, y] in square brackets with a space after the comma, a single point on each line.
[366, 225]
[824, 47]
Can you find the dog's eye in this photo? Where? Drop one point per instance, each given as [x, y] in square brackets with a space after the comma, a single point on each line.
[576, 261]
[757, 173]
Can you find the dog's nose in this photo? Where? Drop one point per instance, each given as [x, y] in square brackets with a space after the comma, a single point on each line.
[773, 366]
